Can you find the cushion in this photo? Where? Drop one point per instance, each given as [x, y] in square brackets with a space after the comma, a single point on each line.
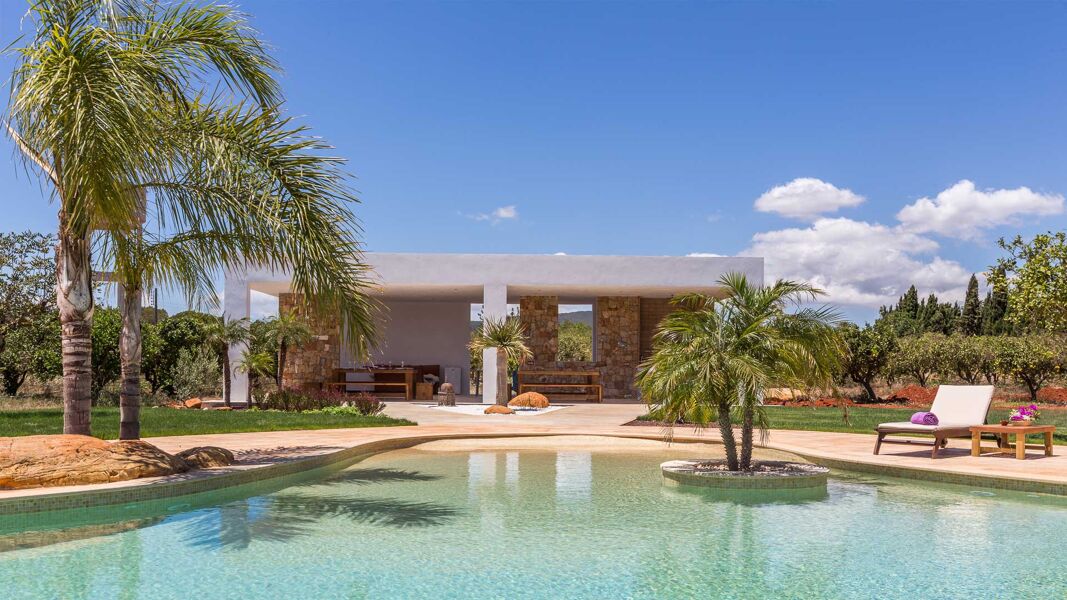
[962, 405]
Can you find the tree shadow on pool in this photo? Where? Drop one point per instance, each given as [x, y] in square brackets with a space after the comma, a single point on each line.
[284, 517]
[365, 476]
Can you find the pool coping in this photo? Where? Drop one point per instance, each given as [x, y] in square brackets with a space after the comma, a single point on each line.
[119, 493]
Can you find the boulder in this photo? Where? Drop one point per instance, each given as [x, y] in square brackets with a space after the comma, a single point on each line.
[193, 403]
[50, 460]
[205, 457]
[498, 409]
[446, 395]
[530, 400]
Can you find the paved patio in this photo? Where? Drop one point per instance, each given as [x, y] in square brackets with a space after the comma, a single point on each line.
[838, 450]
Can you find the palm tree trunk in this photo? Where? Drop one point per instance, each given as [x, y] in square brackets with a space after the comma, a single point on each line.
[74, 295]
[226, 377]
[282, 351]
[130, 359]
[746, 436]
[502, 395]
[726, 431]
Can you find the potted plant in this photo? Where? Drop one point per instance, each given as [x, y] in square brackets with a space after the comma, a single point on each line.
[1023, 415]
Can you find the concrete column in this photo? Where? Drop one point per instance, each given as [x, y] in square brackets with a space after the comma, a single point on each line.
[237, 304]
[494, 305]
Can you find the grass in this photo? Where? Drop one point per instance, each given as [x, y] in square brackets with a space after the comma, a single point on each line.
[864, 420]
[166, 421]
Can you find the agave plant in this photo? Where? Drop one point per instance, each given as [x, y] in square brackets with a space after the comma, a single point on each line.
[508, 336]
[713, 358]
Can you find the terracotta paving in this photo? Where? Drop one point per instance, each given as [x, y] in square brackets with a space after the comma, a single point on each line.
[835, 449]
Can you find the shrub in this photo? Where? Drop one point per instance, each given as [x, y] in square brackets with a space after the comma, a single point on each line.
[366, 403]
[1031, 360]
[918, 357]
[196, 372]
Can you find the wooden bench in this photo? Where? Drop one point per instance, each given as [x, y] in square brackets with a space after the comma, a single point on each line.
[592, 383]
[343, 385]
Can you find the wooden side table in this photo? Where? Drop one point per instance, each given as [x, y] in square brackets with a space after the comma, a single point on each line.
[1019, 431]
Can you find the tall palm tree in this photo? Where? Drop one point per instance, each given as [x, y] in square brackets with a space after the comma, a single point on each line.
[508, 336]
[287, 331]
[714, 357]
[108, 104]
[220, 334]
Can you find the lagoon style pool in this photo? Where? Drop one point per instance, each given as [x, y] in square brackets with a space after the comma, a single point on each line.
[544, 523]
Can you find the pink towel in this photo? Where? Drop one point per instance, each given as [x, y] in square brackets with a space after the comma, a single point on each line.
[924, 418]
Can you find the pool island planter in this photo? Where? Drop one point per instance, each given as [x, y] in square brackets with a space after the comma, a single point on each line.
[771, 475]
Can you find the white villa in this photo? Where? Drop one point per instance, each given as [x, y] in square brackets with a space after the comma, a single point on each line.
[426, 326]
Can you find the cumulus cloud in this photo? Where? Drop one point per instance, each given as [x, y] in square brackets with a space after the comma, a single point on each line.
[501, 213]
[859, 263]
[963, 211]
[704, 255]
[806, 198]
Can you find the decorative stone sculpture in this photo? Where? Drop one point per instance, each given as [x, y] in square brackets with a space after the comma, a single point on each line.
[446, 395]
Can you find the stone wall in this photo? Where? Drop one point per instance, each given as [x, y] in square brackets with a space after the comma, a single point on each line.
[540, 317]
[309, 366]
[618, 343]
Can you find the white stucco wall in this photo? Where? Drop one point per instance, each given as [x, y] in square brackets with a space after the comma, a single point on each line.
[426, 333]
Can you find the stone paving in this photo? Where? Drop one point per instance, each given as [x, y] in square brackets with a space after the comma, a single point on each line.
[838, 450]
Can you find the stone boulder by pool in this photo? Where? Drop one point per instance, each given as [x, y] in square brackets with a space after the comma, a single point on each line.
[53, 460]
[497, 409]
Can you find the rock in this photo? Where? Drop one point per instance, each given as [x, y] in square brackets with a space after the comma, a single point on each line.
[498, 409]
[446, 395]
[530, 400]
[193, 403]
[224, 408]
[205, 457]
[50, 460]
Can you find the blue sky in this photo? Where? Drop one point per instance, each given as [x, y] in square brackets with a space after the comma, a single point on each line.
[653, 128]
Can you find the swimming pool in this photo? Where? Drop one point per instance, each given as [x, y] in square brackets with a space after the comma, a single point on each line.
[540, 523]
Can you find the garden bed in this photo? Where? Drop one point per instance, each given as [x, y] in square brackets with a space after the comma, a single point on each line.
[768, 474]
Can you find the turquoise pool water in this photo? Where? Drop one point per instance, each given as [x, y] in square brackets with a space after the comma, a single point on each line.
[543, 524]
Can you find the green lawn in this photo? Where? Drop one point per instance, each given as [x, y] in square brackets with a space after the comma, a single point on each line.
[166, 421]
[864, 420]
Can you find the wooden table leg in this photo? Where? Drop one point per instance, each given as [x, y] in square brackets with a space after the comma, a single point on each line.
[1020, 446]
[976, 444]
[1048, 443]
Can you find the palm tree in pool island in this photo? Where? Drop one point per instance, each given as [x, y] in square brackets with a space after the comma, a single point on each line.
[713, 357]
[508, 336]
[165, 154]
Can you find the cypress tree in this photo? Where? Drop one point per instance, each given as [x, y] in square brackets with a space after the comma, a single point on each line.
[971, 321]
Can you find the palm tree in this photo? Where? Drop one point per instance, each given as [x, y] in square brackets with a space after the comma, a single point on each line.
[256, 364]
[508, 336]
[287, 330]
[715, 356]
[108, 104]
[220, 334]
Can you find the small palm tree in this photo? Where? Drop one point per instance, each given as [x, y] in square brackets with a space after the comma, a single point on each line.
[715, 356]
[287, 331]
[255, 364]
[508, 336]
[220, 334]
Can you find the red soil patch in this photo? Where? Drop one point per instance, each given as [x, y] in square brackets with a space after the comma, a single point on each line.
[913, 395]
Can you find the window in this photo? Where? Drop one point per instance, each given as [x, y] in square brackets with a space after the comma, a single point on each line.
[575, 334]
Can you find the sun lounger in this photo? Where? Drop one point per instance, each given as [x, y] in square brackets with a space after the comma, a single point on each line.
[958, 408]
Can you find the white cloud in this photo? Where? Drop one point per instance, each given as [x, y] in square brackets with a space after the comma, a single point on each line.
[806, 198]
[859, 263]
[703, 255]
[962, 211]
[500, 213]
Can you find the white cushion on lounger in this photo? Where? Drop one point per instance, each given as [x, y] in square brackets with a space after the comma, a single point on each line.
[955, 406]
[908, 426]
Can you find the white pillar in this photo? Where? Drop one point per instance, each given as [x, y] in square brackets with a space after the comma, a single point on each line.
[237, 304]
[494, 305]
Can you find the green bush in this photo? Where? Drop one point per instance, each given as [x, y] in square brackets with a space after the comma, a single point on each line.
[196, 373]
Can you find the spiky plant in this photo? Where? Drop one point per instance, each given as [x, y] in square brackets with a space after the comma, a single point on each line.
[109, 105]
[713, 357]
[508, 337]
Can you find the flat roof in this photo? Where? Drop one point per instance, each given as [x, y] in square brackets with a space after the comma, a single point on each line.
[424, 276]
